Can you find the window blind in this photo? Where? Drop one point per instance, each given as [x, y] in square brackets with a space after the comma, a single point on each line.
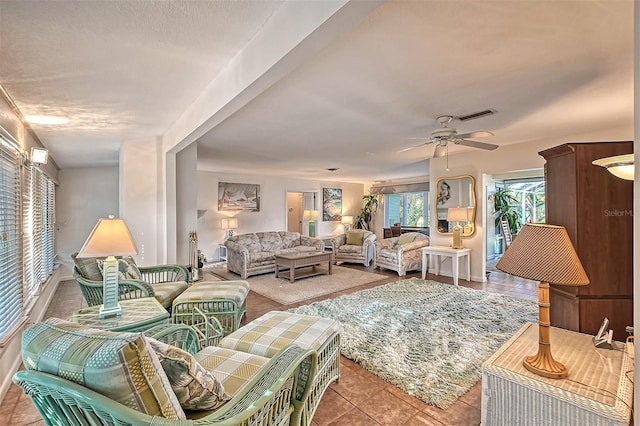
[11, 306]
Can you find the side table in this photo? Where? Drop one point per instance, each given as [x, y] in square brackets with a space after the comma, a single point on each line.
[598, 390]
[222, 250]
[442, 251]
[137, 315]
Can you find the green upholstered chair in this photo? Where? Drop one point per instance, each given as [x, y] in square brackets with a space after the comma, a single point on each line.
[262, 391]
[164, 282]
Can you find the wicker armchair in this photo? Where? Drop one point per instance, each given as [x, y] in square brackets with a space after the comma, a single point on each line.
[274, 396]
[397, 255]
[164, 282]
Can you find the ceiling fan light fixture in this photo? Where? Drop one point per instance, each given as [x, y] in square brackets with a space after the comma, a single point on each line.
[621, 166]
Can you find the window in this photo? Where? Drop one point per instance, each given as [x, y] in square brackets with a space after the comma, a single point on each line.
[11, 307]
[27, 205]
[407, 209]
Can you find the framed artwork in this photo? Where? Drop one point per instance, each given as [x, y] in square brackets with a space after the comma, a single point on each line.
[331, 204]
[238, 196]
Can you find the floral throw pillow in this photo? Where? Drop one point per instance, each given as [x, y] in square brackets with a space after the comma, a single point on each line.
[194, 386]
[127, 269]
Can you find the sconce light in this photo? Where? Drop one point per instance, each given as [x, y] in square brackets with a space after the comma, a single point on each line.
[347, 221]
[457, 214]
[229, 223]
[621, 166]
[39, 155]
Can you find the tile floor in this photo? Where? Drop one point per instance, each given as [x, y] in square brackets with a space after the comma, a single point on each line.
[359, 398]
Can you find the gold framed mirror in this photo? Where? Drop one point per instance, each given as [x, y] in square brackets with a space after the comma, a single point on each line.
[457, 193]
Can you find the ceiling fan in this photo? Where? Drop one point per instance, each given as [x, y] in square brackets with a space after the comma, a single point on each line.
[443, 135]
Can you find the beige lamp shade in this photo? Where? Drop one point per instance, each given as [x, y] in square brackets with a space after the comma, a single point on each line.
[229, 223]
[621, 166]
[110, 237]
[458, 214]
[544, 253]
[311, 215]
[347, 220]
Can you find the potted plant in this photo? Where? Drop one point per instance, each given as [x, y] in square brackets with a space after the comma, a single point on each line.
[507, 207]
[369, 207]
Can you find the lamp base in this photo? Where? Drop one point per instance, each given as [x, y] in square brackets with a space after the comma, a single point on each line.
[457, 237]
[312, 228]
[544, 365]
[114, 311]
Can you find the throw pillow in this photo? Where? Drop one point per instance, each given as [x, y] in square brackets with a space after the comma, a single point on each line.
[404, 239]
[121, 366]
[195, 387]
[127, 268]
[355, 238]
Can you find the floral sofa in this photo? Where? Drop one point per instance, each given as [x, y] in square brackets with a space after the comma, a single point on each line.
[254, 253]
[401, 253]
[355, 246]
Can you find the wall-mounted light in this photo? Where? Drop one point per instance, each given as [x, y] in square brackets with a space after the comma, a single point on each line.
[39, 155]
[621, 166]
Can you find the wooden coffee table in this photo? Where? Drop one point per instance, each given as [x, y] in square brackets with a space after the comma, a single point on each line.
[307, 264]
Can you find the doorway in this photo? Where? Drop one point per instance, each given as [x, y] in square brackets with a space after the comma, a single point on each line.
[297, 203]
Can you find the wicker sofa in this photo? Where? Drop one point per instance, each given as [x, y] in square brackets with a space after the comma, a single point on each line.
[254, 253]
[401, 253]
[81, 376]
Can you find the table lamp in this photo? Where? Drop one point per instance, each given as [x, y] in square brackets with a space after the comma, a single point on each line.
[347, 221]
[311, 216]
[230, 224]
[544, 253]
[110, 237]
[457, 214]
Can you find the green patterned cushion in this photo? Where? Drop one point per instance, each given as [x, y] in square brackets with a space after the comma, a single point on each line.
[88, 267]
[120, 366]
[194, 386]
[167, 292]
[233, 368]
[405, 238]
[355, 238]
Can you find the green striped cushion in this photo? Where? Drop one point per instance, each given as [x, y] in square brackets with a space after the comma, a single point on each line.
[120, 366]
[88, 267]
[236, 290]
[276, 330]
[233, 369]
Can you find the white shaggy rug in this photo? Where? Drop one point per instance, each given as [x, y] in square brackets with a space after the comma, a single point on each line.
[429, 339]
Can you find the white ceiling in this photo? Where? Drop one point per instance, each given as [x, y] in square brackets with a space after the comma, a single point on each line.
[124, 70]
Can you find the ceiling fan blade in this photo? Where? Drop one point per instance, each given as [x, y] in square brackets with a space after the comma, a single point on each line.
[475, 144]
[440, 151]
[415, 146]
[477, 134]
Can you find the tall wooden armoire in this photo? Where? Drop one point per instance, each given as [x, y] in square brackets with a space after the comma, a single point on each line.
[596, 208]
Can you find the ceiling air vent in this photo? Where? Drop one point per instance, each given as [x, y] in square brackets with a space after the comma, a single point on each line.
[476, 115]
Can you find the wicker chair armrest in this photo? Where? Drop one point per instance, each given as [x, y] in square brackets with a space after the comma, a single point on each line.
[164, 273]
[127, 289]
[179, 335]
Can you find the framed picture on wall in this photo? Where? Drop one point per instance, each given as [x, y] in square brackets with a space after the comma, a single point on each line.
[238, 196]
[331, 204]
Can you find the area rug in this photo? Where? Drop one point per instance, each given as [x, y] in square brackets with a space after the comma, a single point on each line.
[285, 292]
[429, 339]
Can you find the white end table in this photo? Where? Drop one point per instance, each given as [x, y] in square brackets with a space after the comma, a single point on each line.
[444, 252]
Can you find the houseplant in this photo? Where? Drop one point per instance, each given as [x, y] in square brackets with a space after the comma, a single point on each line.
[507, 207]
[369, 207]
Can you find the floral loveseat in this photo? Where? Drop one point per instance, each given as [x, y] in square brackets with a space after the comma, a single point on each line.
[252, 254]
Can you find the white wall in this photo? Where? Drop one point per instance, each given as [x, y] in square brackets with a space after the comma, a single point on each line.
[186, 200]
[84, 196]
[273, 206]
